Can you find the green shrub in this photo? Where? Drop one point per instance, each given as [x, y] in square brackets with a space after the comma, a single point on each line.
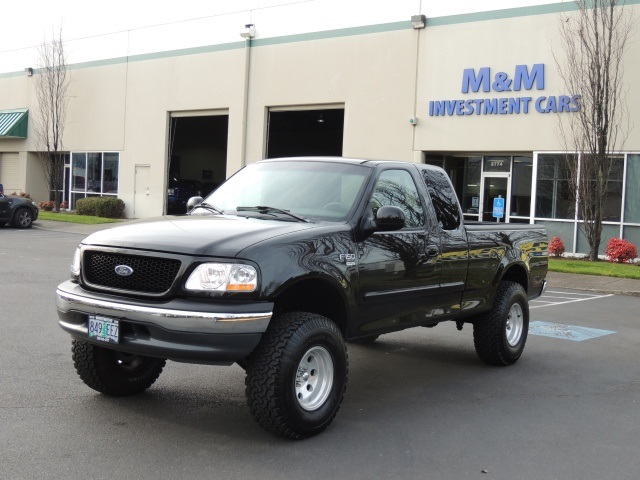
[107, 207]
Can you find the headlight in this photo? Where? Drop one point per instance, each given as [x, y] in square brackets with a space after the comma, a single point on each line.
[223, 277]
[75, 265]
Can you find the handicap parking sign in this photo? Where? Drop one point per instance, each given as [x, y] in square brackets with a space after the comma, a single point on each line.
[498, 207]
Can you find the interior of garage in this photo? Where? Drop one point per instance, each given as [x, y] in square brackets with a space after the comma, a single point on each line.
[305, 132]
[198, 158]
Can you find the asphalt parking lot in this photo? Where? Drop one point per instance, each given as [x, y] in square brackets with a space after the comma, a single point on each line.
[419, 403]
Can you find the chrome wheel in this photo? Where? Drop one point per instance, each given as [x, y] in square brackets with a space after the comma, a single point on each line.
[314, 378]
[514, 325]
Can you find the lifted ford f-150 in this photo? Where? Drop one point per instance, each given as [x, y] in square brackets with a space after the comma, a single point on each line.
[282, 264]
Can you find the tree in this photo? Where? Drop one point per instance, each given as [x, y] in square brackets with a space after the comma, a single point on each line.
[595, 38]
[51, 89]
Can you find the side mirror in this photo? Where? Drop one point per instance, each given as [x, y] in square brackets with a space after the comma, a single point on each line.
[390, 218]
[193, 202]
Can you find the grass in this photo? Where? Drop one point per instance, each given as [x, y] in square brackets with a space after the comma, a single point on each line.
[603, 268]
[74, 218]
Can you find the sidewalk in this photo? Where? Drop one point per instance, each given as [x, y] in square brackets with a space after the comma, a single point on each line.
[69, 227]
[592, 283]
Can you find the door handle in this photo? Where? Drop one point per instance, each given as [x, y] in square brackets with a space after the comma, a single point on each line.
[432, 250]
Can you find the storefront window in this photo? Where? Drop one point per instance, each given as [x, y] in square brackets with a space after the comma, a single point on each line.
[553, 194]
[632, 192]
[93, 174]
[79, 171]
[521, 178]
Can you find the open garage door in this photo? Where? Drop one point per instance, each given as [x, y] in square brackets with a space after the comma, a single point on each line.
[197, 157]
[305, 132]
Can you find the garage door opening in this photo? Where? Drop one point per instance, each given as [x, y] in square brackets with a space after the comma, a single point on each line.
[197, 158]
[305, 132]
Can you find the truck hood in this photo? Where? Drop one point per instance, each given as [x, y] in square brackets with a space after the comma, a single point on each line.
[220, 236]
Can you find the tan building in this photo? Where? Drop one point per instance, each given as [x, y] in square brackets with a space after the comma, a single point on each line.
[173, 109]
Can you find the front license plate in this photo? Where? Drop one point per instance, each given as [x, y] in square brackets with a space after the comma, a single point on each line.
[104, 329]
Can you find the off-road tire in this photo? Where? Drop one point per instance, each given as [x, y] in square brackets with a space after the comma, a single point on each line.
[114, 373]
[500, 335]
[297, 344]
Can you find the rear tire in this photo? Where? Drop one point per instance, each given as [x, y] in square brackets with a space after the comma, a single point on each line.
[500, 335]
[114, 373]
[297, 375]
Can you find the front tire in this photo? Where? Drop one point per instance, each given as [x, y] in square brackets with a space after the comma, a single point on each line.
[114, 373]
[23, 218]
[500, 335]
[297, 375]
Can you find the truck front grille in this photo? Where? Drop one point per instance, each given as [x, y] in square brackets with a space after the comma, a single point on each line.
[149, 274]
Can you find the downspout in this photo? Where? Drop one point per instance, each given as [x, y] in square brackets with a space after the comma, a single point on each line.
[248, 34]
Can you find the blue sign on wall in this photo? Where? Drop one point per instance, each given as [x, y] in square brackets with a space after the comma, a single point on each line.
[498, 207]
[502, 83]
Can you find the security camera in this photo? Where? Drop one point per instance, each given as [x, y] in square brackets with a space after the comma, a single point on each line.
[249, 31]
[413, 121]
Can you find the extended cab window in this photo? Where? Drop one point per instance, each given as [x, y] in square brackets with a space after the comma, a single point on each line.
[396, 188]
[443, 198]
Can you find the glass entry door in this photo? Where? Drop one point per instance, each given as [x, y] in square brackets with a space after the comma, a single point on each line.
[494, 186]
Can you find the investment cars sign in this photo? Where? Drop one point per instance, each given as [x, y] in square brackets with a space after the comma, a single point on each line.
[524, 79]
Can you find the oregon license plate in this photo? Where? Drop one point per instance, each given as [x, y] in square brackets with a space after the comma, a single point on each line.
[104, 329]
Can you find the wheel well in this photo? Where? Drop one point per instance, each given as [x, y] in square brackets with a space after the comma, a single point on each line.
[314, 296]
[517, 274]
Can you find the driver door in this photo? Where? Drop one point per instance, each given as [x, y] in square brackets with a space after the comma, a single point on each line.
[398, 270]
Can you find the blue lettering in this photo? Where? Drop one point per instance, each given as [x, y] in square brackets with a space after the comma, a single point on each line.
[504, 104]
[490, 105]
[564, 103]
[438, 108]
[451, 106]
[551, 105]
[469, 104]
[478, 103]
[470, 80]
[523, 75]
[525, 104]
[502, 83]
[576, 103]
[459, 107]
[539, 104]
[514, 105]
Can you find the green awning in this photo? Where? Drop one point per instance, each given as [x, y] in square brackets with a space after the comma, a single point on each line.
[13, 123]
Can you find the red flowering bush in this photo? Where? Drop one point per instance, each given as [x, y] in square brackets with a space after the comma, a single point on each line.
[64, 204]
[556, 247]
[47, 205]
[620, 251]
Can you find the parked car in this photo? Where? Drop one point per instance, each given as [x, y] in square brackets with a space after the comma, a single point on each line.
[20, 212]
[178, 192]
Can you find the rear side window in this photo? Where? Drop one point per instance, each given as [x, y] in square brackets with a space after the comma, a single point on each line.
[444, 199]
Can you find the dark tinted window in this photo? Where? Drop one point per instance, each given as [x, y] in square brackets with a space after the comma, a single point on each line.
[396, 188]
[444, 199]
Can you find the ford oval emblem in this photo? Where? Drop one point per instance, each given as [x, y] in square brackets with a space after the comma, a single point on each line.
[124, 270]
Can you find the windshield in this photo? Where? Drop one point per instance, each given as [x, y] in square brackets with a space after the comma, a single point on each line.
[313, 190]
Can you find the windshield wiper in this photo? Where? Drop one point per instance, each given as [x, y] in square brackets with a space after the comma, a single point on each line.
[208, 206]
[267, 210]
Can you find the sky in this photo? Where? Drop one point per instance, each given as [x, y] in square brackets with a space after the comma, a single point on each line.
[26, 23]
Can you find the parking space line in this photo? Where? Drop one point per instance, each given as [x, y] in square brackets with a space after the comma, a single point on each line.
[572, 301]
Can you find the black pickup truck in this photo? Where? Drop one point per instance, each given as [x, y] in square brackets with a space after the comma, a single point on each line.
[282, 264]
